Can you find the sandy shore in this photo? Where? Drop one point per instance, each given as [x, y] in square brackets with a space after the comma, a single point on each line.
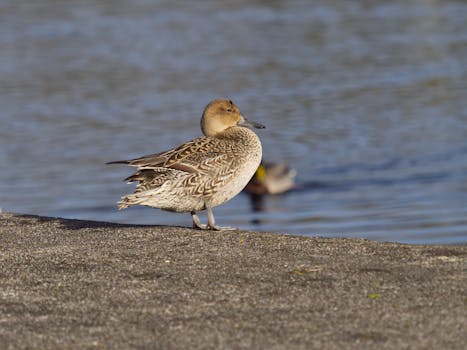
[69, 284]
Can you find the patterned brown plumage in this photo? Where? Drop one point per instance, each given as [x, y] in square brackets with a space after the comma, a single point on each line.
[201, 173]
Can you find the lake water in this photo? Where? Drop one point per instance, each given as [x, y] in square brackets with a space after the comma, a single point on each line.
[367, 100]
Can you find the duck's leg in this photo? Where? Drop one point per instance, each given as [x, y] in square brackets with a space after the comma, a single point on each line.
[196, 222]
[212, 222]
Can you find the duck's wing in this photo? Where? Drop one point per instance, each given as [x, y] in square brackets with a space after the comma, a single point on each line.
[188, 157]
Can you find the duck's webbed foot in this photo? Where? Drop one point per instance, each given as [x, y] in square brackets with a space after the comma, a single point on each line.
[211, 222]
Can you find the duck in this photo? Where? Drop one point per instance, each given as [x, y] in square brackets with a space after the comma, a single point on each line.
[202, 173]
[271, 178]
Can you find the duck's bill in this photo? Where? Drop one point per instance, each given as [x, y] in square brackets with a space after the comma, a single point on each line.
[250, 124]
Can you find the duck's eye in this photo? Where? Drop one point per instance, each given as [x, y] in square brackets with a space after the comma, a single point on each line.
[229, 110]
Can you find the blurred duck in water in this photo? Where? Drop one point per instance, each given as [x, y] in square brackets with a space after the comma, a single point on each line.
[271, 178]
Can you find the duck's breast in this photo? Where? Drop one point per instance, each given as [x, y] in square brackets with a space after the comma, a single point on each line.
[244, 153]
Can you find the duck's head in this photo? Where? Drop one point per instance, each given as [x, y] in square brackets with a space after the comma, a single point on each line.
[222, 114]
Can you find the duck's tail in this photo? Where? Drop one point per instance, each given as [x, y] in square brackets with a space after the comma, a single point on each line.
[129, 200]
[119, 162]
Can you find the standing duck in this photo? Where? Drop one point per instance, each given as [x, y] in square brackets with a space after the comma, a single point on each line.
[202, 173]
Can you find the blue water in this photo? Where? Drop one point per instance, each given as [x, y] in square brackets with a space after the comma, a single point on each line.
[366, 101]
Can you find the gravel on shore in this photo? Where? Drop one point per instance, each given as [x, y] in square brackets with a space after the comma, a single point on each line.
[71, 284]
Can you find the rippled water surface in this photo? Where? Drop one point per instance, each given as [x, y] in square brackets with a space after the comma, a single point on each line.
[366, 100]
